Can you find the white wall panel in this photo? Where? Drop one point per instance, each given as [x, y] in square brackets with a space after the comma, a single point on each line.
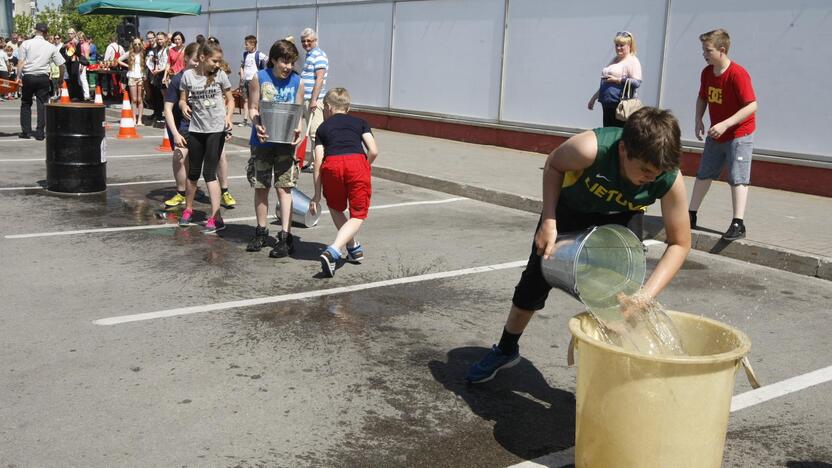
[190, 26]
[272, 3]
[228, 5]
[356, 40]
[147, 23]
[447, 57]
[279, 23]
[556, 50]
[230, 29]
[785, 48]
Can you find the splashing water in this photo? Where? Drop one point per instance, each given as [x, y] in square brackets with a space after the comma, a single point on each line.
[643, 327]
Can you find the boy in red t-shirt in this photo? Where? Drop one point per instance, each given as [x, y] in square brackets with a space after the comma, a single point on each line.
[342, 167]
[725, 89]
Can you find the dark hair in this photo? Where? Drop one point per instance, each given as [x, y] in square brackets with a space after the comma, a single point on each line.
[178, 33]
[283, 49]
[652, 135]
[191, 49]
[200, 39]
[251, 38]
[208, 49]
[214, 40]
[149, 32]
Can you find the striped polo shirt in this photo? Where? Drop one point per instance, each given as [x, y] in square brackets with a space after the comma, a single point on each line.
[315, 60]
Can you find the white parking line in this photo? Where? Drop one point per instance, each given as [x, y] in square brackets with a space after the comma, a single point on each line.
[303, 295]
[117, 184]
[228, 220]
[160, 154]
[738, 402]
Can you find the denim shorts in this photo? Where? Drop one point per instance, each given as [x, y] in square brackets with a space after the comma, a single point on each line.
[736, 154]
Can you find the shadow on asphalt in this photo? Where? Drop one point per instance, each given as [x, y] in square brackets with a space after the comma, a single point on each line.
[808, 464]
[531, 418]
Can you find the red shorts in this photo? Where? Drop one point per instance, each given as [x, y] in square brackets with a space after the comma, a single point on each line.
[347, 177]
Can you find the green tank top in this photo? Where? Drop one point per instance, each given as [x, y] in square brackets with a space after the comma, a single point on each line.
[601, 188]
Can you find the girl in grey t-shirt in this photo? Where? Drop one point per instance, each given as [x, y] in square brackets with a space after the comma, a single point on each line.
[206, 100]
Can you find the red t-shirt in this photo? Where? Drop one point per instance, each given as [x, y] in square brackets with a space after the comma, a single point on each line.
[725, 95]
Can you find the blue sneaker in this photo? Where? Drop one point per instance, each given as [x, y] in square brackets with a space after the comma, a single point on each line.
[488, 366]
[355, 254]
[329, 261]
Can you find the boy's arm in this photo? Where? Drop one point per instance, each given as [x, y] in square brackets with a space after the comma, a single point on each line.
[677, 230]
[254, 108]
[372, 148]
[717, 130]
[577, 153]
[701, 105]
[302, 122]
[177, 137]
[183, 104]
[316, 176]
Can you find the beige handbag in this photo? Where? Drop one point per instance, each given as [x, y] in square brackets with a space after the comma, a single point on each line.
[628, 105]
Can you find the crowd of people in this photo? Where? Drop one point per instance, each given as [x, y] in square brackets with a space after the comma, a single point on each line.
[608, 175]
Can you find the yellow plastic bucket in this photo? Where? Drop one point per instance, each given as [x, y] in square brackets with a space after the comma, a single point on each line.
[656, 411]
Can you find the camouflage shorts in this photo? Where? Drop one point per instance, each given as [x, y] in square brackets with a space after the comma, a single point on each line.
[276, 162]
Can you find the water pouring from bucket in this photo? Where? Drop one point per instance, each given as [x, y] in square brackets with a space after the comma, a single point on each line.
[604, 267]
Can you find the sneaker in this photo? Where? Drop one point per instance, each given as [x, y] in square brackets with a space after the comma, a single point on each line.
[329, 260]
[24, 135]
[227, 200]
[175, 200]
[260, 239]
[692, 216]
[186, 217]
[285, 245]
[355, 253]
[735, 231]
[244, 123]
[213, 224]
[488, 366]
[201, 196]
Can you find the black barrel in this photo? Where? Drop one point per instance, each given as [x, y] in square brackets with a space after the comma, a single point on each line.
[76, 160]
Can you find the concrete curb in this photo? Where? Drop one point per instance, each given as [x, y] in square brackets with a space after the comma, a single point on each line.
[746, 250]
[753, 252]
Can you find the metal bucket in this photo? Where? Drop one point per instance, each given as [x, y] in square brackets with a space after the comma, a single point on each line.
[300, 209]
[596, 265]
[280, 119]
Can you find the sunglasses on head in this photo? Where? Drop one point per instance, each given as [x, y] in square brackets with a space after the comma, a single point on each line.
[623, 34]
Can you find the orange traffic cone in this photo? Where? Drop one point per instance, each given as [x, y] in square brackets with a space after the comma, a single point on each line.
[127, 127]
[64, 94]
[99, 99]
[165, 146]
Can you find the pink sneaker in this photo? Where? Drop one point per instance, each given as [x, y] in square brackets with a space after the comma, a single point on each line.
[186, 217]
[213, 224]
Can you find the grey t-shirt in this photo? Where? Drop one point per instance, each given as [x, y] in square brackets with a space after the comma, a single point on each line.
[206, 102]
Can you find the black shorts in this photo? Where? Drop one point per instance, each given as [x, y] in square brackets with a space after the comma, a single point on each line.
[532, 290]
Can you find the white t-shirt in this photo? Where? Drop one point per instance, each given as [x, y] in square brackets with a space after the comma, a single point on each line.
[252, 63]
[110, 53]
[4, 67]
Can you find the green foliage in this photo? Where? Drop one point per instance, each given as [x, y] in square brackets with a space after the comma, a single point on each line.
[23, 25]
[97, 27]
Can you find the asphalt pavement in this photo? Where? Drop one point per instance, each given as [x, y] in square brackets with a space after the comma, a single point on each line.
[129, 341]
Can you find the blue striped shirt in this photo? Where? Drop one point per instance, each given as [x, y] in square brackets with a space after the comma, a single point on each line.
[315, 60]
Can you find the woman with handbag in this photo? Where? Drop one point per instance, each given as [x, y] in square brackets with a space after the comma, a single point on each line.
[619, 82]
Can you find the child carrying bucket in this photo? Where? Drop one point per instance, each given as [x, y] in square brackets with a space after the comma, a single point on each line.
[274, 163]
[342, 170]
[207, 102]
[602, 176]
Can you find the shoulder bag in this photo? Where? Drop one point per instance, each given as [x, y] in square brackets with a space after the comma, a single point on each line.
[628, 105]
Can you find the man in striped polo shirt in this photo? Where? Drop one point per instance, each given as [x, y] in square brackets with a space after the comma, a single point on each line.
[315, 70]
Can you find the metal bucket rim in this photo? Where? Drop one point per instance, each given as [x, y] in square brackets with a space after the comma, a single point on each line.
[615, 229]
[729, 356]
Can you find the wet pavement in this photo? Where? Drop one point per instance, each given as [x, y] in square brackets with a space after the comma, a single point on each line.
[312, 377]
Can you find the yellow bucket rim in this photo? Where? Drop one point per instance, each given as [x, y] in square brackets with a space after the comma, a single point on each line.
[731, 356]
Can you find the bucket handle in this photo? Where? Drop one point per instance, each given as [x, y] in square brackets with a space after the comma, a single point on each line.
[749, 372]
[570, 352]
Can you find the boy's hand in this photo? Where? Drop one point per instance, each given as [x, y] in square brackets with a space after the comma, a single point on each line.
[186, 111]
[298, 138]
[717, 130]
[699, 130]
[544, 238]
[315, 206]
[261, 133]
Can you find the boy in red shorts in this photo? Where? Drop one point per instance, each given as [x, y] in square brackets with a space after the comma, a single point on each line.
[342, 167]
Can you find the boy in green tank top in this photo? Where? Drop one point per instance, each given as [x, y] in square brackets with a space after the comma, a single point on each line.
[602, 176]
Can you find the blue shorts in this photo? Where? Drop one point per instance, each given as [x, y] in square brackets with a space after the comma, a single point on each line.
[736, 154]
